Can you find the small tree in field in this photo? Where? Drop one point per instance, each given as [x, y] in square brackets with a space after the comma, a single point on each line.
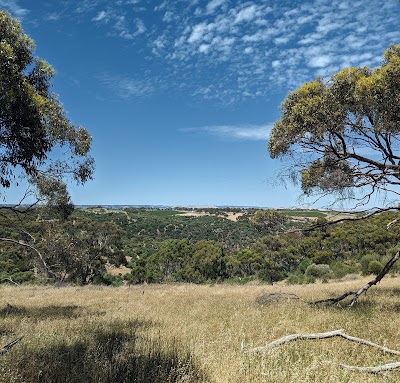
[342, 137]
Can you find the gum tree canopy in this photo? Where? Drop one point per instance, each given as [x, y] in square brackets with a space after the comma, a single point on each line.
[32, 120]
[343, 135]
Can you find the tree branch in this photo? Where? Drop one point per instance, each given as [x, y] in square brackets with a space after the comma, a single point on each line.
[347, 219]
[24, 244]
[373, 370]
[10, 345]
[322, 335]
[356, 293]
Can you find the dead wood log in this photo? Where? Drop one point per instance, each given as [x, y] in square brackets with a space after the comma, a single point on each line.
[322, 335]
[337, 333]
[357, 293]
[374, 370]
[10, 345]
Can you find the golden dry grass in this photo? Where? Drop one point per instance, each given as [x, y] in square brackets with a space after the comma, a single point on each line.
[189, 333]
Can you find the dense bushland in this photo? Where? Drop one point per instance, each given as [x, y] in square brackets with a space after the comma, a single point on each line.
[164, 246]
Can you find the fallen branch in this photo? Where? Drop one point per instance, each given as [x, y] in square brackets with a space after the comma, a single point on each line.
[356, 293]
[10, 280]
[321, 335]
[10, 345]
[337, 333]
[374, 370]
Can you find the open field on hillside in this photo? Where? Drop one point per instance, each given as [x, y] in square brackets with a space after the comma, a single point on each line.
[190, 333]
[229, 215]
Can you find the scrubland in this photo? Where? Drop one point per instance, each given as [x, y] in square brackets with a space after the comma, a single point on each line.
[191, 333]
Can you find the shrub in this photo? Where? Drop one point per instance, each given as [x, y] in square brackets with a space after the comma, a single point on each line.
[294, 279]
[375, 267]
[340, 269]
[365, 261]
[321, 271]
[108, 279]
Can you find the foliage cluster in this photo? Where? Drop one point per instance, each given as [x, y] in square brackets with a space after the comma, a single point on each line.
[33, 123]
[341, 135]
[73, 250]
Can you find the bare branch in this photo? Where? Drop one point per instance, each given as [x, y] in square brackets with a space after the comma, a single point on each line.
[347, 219]
[374, 370]
[10, 279]
[377, 279]
[356, 293]
[322, 335]
[10, 345]
[24, 244]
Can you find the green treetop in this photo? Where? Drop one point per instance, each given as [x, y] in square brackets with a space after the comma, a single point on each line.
[343, 133]
[32, 120]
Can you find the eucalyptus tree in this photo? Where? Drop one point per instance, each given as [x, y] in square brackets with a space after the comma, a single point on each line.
[342, 137]
[34, 129]
[32, 120]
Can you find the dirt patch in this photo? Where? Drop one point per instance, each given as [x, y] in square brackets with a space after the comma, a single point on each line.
[118, 270]
[231, 216]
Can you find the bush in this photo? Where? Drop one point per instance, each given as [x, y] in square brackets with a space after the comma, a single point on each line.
[365, 261]
[299, 279]
[302, 267]
[375, 267]
[294, 279]
[108, 279]
[321, 271]
[340, 269]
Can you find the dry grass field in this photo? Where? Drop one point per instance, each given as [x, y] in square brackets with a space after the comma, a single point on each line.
[189, 333]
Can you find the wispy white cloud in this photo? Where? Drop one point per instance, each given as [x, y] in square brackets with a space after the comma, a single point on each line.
[102, 15]
[319, 61]
[126, 87]
[14, 8]
[213, 5]
[198, 32]
[87, 5]
[53, 16]
[246, 14]
[227, 51]
[121, 25]
[235, 132]
[161, 6]
[168, 16]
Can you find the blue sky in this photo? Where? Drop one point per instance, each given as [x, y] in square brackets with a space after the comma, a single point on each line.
[180, 95]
